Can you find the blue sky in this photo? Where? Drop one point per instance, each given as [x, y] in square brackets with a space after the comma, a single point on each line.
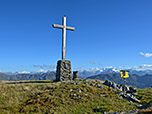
[107, 33]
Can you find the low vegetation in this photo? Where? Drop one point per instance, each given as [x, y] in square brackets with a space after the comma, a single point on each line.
[145, 96]
[69, 97]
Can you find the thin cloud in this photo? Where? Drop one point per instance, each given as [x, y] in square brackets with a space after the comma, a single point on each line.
[44, 66]
[124, 68]
[142, 67]
[146, 54]
[145, 66]
[100, 64]
[79, 68]
[92, 63]
[52, 66]
[108, 67]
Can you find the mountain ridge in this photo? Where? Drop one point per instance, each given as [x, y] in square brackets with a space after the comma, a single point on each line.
[144, 81]
[36, 76]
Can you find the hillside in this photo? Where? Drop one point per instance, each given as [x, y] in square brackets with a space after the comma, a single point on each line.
[77, 97]
[4, 76]
[36, 76]
[134, 80]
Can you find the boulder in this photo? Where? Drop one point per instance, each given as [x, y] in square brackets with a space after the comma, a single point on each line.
[111, 84]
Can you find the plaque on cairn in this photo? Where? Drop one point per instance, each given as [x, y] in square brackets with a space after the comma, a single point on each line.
[63, 71]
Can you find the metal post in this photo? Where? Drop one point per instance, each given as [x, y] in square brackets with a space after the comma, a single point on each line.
[124, 86]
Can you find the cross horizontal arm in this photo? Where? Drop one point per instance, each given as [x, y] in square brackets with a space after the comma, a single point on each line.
[57, 26]
[70, 28]
[61, 27]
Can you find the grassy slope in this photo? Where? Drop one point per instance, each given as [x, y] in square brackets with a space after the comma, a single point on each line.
[145, 96]
[57, 97]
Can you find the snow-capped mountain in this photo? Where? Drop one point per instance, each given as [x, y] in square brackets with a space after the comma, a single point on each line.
[140, 72]
[96, 71]
[27, 72]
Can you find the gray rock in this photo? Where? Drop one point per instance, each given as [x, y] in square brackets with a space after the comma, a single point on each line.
[80, 97]
[75, 75]
[88, 83]
[129, 97]
[132, 90]
[111, 84]
[100, 86]
[70, 95]
[132, 98]
[79, 83]
[63, 102]
[122, 88]
[73, 83]
[129, 94]
[79, 90]
[93, 84]
[103, 95]
[71, 90]
[47, 98]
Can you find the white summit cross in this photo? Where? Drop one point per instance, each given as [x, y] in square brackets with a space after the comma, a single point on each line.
[64, 28]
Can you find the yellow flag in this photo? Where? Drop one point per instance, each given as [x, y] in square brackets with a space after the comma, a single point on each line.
[124, 74]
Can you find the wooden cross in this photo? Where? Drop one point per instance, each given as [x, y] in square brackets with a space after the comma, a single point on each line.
[64, 28]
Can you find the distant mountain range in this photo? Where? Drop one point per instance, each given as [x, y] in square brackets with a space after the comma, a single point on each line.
[140, 79]
[134, 80]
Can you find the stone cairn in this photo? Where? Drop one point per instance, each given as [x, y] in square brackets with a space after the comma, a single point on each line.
[63, 72]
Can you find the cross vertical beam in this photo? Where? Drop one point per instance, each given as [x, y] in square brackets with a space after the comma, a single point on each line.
[63, 38]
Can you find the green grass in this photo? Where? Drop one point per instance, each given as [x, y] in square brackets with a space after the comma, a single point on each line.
[145, 96]
[26, 81]
[32, 98]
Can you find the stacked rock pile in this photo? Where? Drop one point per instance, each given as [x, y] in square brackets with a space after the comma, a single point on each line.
[130, 92]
